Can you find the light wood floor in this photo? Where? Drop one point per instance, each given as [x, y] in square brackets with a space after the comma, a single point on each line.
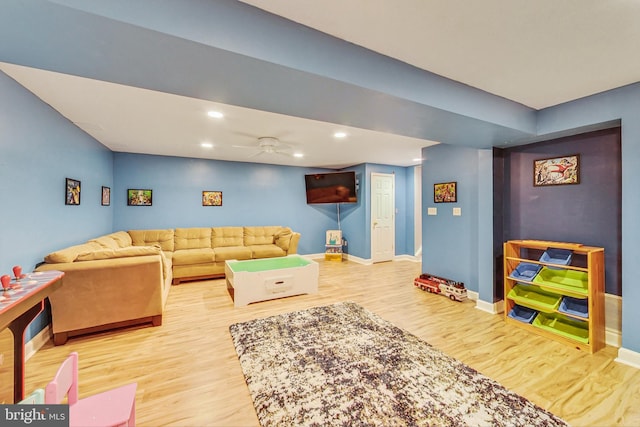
[188, 373]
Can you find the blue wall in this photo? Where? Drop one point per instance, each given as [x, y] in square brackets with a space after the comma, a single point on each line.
[588, 213]
[38, 150]
[623, 104]
[451, 245]
[252, 194]
[449, 242]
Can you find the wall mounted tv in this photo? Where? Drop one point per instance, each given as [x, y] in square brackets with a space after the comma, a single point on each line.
[334, 187]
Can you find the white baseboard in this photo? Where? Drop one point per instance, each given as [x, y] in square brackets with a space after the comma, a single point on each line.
[472, 295]
[488, 307]
[628, 357]
[348, 257]
[407, 258]
[369, 261]
[35, 343]
[613, 320]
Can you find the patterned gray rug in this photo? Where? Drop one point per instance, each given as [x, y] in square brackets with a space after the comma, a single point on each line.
[343, 365]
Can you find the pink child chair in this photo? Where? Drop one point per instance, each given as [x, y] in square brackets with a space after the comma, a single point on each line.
[116, 407]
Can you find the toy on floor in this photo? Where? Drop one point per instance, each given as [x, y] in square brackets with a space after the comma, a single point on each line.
[438, 285]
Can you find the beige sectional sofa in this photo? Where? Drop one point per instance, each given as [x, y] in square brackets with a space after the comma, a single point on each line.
[124, 278]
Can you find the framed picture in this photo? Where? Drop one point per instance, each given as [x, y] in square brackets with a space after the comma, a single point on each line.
[445, 192]
[106, 196]
[212, 198]
[136, 197]
[72, 192]
[557, 170]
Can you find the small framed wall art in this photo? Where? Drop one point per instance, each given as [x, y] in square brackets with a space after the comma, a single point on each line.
[557, 171]
[136, 197]
[106, 196]
[212, 198]
[72, 192]
[445, 192]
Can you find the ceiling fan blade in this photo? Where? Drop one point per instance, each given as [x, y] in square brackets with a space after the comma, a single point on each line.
[259, 153]
[283, 153]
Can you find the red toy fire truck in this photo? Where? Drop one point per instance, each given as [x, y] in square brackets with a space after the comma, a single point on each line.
[438, 285]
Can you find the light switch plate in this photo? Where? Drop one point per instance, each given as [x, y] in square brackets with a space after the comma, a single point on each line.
[432, 211]
[457, 211]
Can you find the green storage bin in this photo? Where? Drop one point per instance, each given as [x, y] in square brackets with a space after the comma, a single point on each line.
[573, 281]
[574, 329]
[534, 297]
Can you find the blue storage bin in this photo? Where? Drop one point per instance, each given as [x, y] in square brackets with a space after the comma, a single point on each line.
[556, 256]
[575, 306]
[523, 314]
[525, 271]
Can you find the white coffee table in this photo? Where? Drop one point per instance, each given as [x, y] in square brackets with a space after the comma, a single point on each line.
[270, 278]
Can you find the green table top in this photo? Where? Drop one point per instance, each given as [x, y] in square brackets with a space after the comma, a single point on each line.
[256, 265]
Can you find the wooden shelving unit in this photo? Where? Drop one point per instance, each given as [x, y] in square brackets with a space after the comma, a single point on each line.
[588, 262]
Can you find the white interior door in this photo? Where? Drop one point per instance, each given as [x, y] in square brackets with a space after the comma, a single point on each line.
[383, 233]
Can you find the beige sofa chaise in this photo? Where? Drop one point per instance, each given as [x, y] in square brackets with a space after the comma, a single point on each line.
[124, 278]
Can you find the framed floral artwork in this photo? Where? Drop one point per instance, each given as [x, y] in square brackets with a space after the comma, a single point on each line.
[557, 170]
[445, 192]
[72, 192]
[212, 198]
[106, 196]
[136, 197]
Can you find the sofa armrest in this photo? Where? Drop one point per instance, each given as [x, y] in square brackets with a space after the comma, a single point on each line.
[100, 292]
[293, 244]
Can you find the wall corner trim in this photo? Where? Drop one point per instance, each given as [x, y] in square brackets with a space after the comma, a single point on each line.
[36, 343]
[488, 307]
[628, 357]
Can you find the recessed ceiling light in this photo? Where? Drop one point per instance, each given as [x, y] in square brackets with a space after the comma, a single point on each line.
[298, 155]
[215, 114]
[417, 160]
[340, 135]
[206, 145]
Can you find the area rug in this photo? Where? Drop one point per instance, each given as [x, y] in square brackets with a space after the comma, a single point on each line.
[343, 365]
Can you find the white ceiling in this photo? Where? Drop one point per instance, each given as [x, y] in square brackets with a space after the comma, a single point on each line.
[134, 120]
[538, 53]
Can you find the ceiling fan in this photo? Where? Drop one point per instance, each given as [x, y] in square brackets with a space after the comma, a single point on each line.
[268, 145]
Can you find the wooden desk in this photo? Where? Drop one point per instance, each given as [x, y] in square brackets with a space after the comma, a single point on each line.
[18, 308]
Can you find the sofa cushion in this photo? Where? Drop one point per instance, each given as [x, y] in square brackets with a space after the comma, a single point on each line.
[123, 238]
[193, 256]
[163, 238]
[260, 235]
[232, 252]
[106, 242]
[71, 253]
[266, 251]
[192, 238]
[283, 238]
[118, 253]
[227, 236]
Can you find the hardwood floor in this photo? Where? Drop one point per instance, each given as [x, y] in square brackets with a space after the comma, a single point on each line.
[188, 373]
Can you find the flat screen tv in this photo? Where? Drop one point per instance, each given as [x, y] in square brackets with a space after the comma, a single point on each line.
[334, 187]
